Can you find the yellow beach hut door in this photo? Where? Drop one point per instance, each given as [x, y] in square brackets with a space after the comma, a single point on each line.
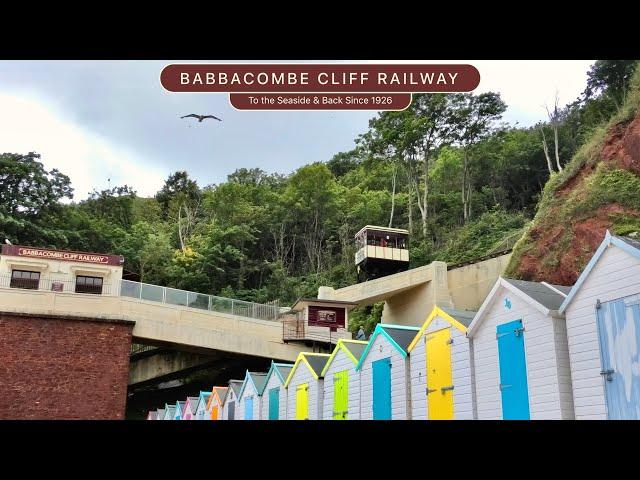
[302, 402]
[340, 395]
[439, 377]
[214, 413]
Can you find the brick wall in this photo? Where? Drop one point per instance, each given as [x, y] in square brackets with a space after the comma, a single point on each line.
[63, 368]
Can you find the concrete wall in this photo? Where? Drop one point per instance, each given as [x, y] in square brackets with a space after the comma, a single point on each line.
[63, 368]
[168, 324]
[470, 285]
[164, 363]
[410, 296]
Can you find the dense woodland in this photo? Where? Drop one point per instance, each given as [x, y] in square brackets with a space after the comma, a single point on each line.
[448, 168]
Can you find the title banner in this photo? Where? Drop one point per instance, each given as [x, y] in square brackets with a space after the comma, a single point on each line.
[320, 86]
[84, 257]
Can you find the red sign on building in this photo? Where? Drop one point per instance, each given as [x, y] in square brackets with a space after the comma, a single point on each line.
[62, 255]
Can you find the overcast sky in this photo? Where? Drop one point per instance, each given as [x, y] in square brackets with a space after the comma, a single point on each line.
[95, 120]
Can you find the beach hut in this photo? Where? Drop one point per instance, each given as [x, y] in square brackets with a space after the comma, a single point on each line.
[520, 356]
[152, 415]
[169, 412]
[274, 395]
[384, 374]
[177, 414]
[341, 398]
[215, 403]
[250, 396]
[160, 414]
[440, 363]
[201, 408]
[304, 387]
[190, 406]
[603, 330]
[230, 400]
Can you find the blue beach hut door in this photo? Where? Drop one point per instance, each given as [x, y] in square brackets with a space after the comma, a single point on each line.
[513, 371]
[248, 408]
[619, 335]
[382, 389]
[274, 403]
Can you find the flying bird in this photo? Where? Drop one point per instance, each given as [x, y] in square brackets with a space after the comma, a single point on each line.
[201, 117]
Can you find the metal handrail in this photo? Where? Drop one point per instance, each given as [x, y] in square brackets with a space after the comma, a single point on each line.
[212, 303]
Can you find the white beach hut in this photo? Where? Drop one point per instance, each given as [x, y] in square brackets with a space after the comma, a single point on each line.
[384, 374]
[441, 374]
[520, 355]
[304, 387]
[250, 396]
[341, 397]
[603, 329]
[201, 407]
[274, 396]
[229, 406]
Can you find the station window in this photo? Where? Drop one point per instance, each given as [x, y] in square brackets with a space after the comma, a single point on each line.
[25, 279]
[86, 284]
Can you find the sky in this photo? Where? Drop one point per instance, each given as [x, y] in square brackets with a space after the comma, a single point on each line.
[108, 123]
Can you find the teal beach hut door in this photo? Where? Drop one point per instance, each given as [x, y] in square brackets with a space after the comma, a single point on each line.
[619, 335]
[513, 371]
[382, 389]
[274, 403]
[248, 408]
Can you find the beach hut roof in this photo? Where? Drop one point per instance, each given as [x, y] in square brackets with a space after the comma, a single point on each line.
[217, 393]
[281, 370]
[460, 319]
[353, 348]
[258, 379]
[399, 336]
[160, 412]
[236, 386]
[170, 410]
[629, 245]
[314, 362]
[544, 297]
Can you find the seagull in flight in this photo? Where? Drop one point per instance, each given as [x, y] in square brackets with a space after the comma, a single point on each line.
[201, 117]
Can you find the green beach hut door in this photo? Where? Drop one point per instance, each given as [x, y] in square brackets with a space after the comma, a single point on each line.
[340, 395]
[274, 403]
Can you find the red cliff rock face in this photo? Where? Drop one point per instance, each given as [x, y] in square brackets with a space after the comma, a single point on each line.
[63, 368]
[557, 252]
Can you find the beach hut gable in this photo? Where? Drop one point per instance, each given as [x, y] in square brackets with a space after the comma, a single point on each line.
[542, 296]
[399, 336]
[353, 349]
[275, 392]
[169, 412]
[628, 245]
[314, 362]
[201, 407]
[436, 314]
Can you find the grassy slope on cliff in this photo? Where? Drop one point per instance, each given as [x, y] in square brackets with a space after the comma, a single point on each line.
[599, 189]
